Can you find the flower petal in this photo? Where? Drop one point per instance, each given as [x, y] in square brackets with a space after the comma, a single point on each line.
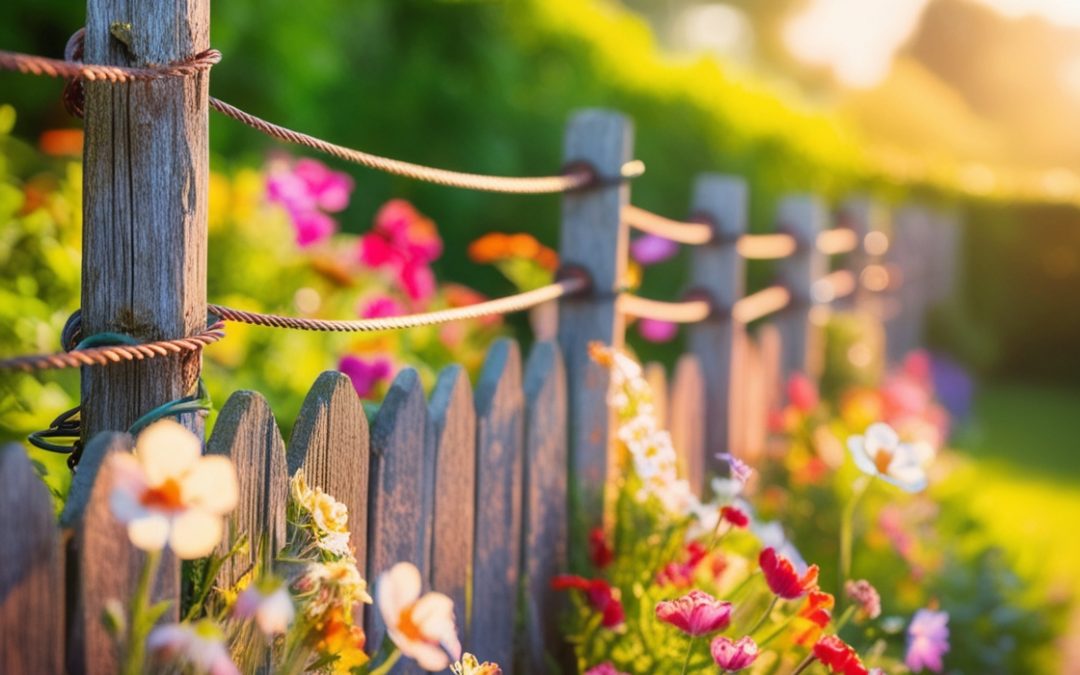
[857, 446]
[166, 450]
[195, 533]
[149, 533]
[880, 436]
[211, 485]
[396, 589]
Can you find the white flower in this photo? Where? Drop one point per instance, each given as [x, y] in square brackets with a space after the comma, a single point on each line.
[167, 493]
[880, 453]
[421, 627]
[200, 646]
[269, 603]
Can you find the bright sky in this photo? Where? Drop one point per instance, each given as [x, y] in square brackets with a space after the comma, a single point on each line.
[857, 39]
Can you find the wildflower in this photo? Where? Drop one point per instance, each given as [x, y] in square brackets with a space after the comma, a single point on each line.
[605, 668]
[381, 307]
[600, 552]
[697, 613]
[599, 594]
[771, 535]
[422, 627]
[339, 638]
[200, 646]
[927, 640]
[405, 242]
[269, 603]
[782, 578]
[655, 330]
[880, 453]
[470, 665]
[307, 190]
[650, 249]
[365, 374]
[168, 493]
[813, 617]
[497, 247]
[865, 597]
[838, 657]
[681, 572]
[733, 655]
[329, 517]
[322, 586]
[738, 469]
[801, 393]
[735, 516]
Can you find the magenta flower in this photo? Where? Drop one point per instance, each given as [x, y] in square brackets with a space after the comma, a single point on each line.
[381, 307]
[329, 189]
[404, 242]
[307, 190]
[605, 668]
[650, 249]
[928, 640]
[365, 374]
[732, 656]
[654, 330]
[697, 613]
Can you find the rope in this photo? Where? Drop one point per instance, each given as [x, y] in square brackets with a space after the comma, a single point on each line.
[684, 233]
[46, 67]
[687, 311]
[513, 303]
[766, 246]
[837, 241]
[760, 304]
[109, 354]
[833, 286]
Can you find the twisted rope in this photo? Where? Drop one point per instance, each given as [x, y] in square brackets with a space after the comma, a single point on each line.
[46, 67]
[837, 241]
[513, 303]
[109, 354]
[687, 311]
[766, 246]
[651, 223]
[758, 305]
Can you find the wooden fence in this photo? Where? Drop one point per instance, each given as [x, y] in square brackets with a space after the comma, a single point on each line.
[487, 487]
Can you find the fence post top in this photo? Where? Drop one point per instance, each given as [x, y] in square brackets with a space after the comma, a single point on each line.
[601, 138]
[802, 216]
[723, 200]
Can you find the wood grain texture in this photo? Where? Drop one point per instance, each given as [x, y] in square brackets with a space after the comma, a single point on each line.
[146, 163]
[719, 270]
[247, 433]
[397, 519]
[803, 217]
[107, 564]
[546, 516]
[453, 423]
[593, 238]
[31, 571]
[500, 422]
[656, 376]
[330, 443]
[686, 420]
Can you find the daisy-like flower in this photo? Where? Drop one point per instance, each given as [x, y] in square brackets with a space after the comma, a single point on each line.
[838, 656]
[734, 655]
[269, 603]
[782, 578]
[470, 665]
[168, 493]
[697, 613]
[199, 646]
[880, 453]
[928, 641]
[422, 626]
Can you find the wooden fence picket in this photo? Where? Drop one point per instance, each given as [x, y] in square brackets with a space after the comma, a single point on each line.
[803, 217]
[247, 433]
[31, 571]
[453, 422]
[546, 524]
[330, 443]
[686, 420]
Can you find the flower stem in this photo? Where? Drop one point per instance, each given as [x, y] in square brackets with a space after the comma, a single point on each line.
[140, 603]
[804, 665]
[765, 616]
[689, 651]
[844, 618]
[846, 519]
[386, 665]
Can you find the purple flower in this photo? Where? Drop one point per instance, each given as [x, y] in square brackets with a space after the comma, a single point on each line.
[657, 331]
[928, 640]
[650, 249]
[365, 374]
[732, 656]
[739, 469]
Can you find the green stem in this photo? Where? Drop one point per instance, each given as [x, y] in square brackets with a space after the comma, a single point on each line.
[689, 651]
[804, 665]
[386, 665]
[846, 522]
[844, 618]
[779, 629]
[765, 616]
[140, 603]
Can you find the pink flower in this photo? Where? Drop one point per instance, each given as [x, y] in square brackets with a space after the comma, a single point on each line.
[605, 668]
[928, 641]
[329, 189]
[654, 330]
[650, 249]
[734, 515]
[732, 656]
[697, 613]
[308, 189]
[312, 227]
[802, 393]
[782, 578]
[365, 374]
[864, 596]
[405, 242]
[417, 280]
[380, 307]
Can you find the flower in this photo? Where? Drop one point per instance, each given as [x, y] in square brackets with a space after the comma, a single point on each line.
[328, 516]
[681, 573]
[802, 393]
[650, 249]
[813, 616]
[405, 242]
[865, 597]
[732, 656]
[422, 627]
[168, 493]
[782, 578]
[380, 307]
[307, 189]
[470, 665]
[927, 640]
[880, 453]
[366, 374]
[600, 595]
[269, 603]
[838, 657]
[600, 552]
[200, 646]
[697, 613]
[498, 247]
[323, 586]
[655, 330]
[338, 637]
[605, 668]
[738, 469]
[734, 515]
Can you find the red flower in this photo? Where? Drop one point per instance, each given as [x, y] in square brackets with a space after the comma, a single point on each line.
[734, 515]
[813, 617]
[697, 613]
[599, 593]
[802, 393]
[782, 578]
[681, 573]
[838, 657]
[600, 552]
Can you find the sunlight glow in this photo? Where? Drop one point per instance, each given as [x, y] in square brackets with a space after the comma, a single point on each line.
[1061, 12]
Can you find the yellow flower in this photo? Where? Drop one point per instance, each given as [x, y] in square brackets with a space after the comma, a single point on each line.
[469, 665]
[339, 637]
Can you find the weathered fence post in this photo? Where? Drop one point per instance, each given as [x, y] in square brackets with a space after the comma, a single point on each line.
[593, 238]
[145, 189]
[803, 217]
[718, 269]
[905, 326]
[859, 214]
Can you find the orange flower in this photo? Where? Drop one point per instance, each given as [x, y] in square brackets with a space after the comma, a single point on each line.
[498, 246]
[813, 617]
[62, 142]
